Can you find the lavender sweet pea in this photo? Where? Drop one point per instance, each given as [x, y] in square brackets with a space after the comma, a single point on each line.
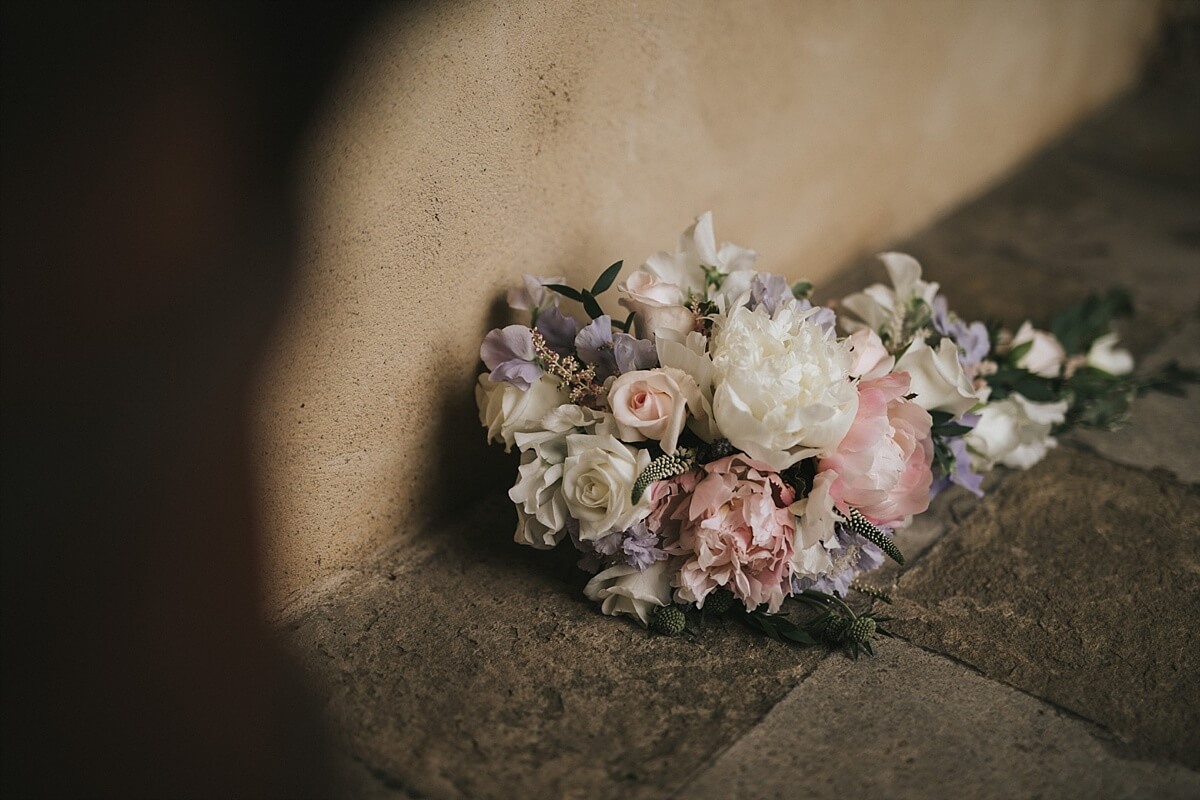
[508, 354]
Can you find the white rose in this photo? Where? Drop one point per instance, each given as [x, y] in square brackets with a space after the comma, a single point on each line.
[653, 404]
[1105, 355]
[541, 509]
[625, 590]
[598, 479]
[780, 386]
[1014, 432]
[938, 379]
[658, 304]
[1045, 356]
[506, 410]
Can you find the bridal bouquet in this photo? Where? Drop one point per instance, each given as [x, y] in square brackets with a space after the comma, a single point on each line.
[729, 443]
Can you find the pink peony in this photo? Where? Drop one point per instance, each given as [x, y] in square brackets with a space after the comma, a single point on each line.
[882, 466]
[735, 531]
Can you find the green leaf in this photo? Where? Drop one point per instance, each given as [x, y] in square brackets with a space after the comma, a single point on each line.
[591, 306]
[606, 278]
[951, 429]
[565, 291]
[802, 290]
[627, 325]
[1081, 324]
[1017, 353]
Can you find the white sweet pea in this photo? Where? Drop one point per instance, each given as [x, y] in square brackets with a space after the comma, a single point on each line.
[871, 358]
[1014, 432]
[816, 528]
[938, 379]
[506, 410]
[1105, 355]
[599, 473]
[654, 404]
[533, 294]
[882, 309]
[780, 385]
[690, 354]
[1045, 356]
[625, 590]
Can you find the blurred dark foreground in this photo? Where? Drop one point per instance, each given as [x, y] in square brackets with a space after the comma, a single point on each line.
[146, 227]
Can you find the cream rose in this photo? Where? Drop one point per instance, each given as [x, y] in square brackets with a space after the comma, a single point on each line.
[599, 473]
[506, 410]
[625, 590]
[658, 304]
[938, 379]
[780, 385]
[1014, 432]
[654, 404]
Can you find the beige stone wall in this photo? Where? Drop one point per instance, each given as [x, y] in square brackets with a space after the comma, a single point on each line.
[471, 142]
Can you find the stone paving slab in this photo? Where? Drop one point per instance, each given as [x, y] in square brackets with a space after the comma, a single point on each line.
[1079, 582]
[484, 672]
[1164, 432]
[910, 724]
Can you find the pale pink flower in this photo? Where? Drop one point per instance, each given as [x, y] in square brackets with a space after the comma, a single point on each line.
[735, 531]
[669, 500]
[882, 466]
[653, 404]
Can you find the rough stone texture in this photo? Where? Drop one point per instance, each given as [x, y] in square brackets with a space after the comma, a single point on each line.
[909, 724]
[484, 672]
[471, 142]
[1077, 581]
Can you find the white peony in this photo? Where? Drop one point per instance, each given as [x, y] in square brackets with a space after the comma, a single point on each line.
[506, 410]
[1014, 432]
[882, 309]
[1105, 355]
[780, 386]
[599, 473]
[625, 590]
[1045, 356]
[938, 379]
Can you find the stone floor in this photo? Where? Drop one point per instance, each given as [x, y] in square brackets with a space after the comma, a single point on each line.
[1044, 634]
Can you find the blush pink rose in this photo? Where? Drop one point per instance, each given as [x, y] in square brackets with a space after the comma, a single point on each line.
[735, 531]
[882, 466]
[653, 404]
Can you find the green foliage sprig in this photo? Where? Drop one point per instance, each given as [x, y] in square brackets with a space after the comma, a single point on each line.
[587, 297]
